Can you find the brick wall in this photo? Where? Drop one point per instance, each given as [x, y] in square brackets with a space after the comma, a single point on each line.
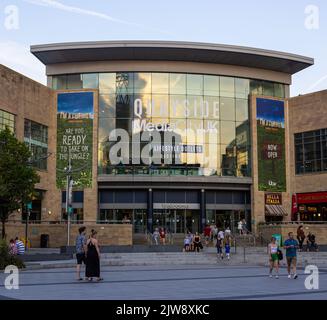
[118, 234]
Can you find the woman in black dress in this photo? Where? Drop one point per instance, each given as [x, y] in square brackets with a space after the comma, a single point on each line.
[92, 258]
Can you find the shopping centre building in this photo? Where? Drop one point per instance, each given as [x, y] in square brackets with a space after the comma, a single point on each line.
[169, 134]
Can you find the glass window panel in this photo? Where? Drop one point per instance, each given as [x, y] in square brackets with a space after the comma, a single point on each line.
[211, 107]
[194, 84]
[195, 132]
[227, 109]
[125, 124]
[160, 82]
[256, 87]
[228, 160]
[227, 132]
[299, 153]
[177, 83]
[324, 149]
[179, 126]
[107, 106]
[279, 90]
[212, 159]
[141, 107]
[242, 133]
[107, 83]
[212, 132]
[124, 82]
[74, 81]
[142, 82]
[195, 107]
[177, 106]
[106, 125]
[211, 85]
[160, 105]
[242, 161]
[268, 88]
[309, 151]
[91, 81]
[227, 87]
[124, 106]
[242, 110]
[242, 88]
[59, 82]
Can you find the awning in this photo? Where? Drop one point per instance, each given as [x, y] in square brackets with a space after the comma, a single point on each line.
[275, 210]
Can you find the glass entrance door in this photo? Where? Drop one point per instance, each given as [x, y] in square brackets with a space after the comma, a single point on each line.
[139, 221]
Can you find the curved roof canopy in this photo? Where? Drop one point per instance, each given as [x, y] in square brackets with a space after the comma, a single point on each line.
[170, 51]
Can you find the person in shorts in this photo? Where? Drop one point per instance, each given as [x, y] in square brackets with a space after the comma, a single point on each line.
[273, 257]
[187, 243]
[80, 251]
[291, 246]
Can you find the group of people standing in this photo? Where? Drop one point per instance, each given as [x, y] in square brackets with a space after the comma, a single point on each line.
[311, 239]
[88, 252]
[16, 247]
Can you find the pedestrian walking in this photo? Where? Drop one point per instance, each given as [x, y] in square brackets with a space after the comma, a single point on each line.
[219, 246]
[156, 236]
[20, 246]
[207, 232]
[244, 228]
[240, 227]
[273, 257]
[227, 246]
[228, 232]
[221, 234]
[300, 237]
[191, 237]
[162, 236]
[186, 243]
[291, 246]
[92, 269]
[80, 244]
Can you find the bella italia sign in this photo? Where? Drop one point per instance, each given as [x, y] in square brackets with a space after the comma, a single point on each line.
[75, 137]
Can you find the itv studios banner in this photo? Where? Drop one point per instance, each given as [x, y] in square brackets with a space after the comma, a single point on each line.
[75, 137]
[271, 145]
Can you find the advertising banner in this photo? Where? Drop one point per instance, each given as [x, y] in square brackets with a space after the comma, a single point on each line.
[75, 138]
[271, 145]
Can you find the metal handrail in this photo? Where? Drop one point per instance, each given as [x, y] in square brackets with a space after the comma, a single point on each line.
[64, 222]
[277, 223]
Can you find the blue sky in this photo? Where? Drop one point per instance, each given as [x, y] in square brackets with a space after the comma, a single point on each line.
[277, 25]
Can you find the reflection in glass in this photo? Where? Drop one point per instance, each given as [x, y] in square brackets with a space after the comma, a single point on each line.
[211, 131]
[268, 88]
[124, 82]
[160, 83]
[256, 87]
[242, 110]
[107, 83]
[195, 107]
[227, 109]
[74, 81]
[195, 132]
[141, 107]
[227, 131]
[279, 90]
[90, 80]
[242, 160]
[179, 127]
[227, 88]
[59, 82]
[242, 88]
[177, 83]
[107, 106]
[177, 106]
[213, 106]
[106, 125]
[194, 84]
[124, 106]
[228, 160]
[211, 85]
[160, 105]
[142, 82]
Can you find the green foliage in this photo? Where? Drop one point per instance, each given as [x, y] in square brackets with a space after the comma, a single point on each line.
[17, 177]
[6, 259]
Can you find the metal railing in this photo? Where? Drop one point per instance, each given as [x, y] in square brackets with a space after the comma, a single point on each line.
[279, 223]
[64, 222]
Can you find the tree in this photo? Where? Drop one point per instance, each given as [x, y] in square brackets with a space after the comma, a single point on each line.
[17, 176]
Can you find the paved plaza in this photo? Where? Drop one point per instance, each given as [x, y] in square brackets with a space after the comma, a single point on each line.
[165, 282]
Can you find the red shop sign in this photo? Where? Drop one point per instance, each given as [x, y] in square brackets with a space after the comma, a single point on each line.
[316, 197]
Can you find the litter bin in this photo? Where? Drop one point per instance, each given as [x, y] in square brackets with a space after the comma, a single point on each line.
[44, 241]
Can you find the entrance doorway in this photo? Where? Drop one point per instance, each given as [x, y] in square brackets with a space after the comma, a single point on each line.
[176, 220]
[225, 218]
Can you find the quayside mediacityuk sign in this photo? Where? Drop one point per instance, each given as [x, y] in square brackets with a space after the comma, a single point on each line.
[75, 137]
[271, 145]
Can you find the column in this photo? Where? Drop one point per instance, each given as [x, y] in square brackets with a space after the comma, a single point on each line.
[150, 211]
[202, 210]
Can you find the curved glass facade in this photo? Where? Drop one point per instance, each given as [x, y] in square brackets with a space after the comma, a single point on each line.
[172, 123]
